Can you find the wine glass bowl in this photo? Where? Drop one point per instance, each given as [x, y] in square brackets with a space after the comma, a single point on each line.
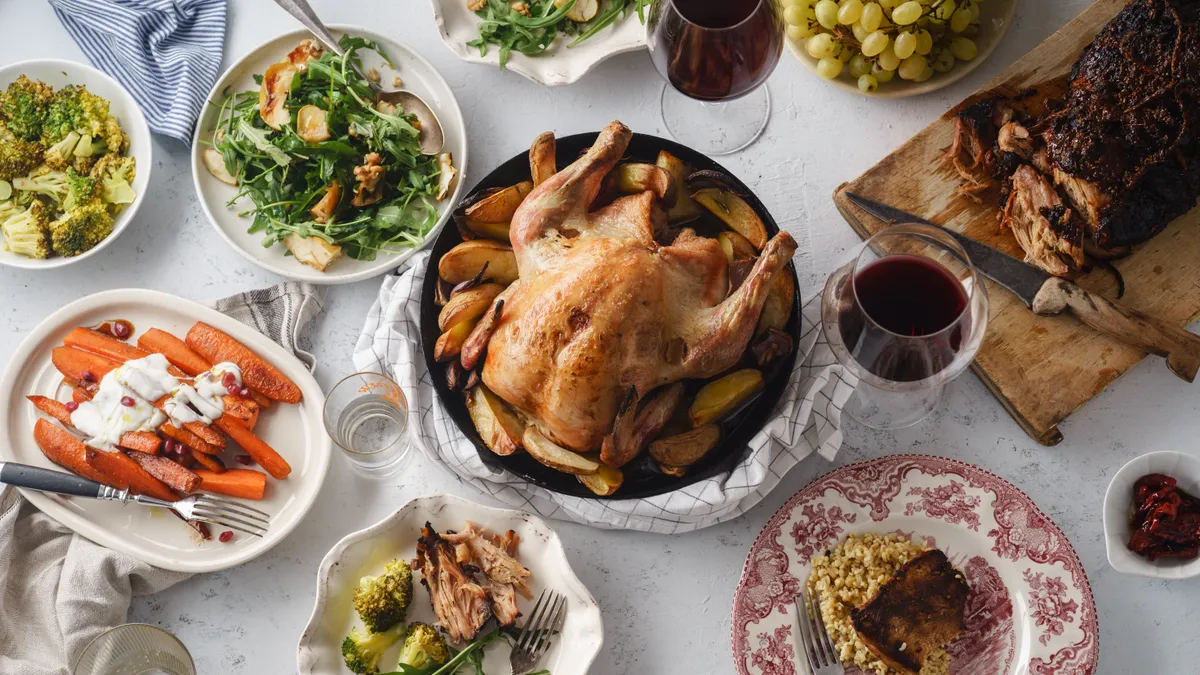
[905, 317]
[715, 56]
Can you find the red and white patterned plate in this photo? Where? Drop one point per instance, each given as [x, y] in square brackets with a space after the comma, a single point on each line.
[1030, 609]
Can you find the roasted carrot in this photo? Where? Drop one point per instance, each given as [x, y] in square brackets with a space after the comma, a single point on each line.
[69, 452]
[244, 483]
[257, 448]
[141, 442]
[245, 411]
[52, 408]
[79, 395]
[81, 367]
[217, 346]
[105, 345]
[209, 462]
[207, 433]
[184, 357]
[119, 466]
[175, 476]
[189, 440]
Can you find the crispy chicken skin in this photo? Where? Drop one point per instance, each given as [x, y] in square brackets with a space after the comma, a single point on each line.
[598, 301]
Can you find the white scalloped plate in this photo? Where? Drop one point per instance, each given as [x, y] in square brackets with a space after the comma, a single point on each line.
[558, 65]
[365, 552]
[151, 534]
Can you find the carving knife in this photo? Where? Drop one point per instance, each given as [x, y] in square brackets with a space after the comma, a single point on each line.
[1048, 295]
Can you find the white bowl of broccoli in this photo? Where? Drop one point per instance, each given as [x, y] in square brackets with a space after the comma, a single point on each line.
[75, 161]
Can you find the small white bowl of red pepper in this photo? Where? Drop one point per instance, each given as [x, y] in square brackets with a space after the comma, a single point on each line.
[1152, 516]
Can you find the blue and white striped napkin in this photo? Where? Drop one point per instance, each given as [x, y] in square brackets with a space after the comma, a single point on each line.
[167, 53]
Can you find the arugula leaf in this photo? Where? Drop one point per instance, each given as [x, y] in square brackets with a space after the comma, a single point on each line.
[510, 30]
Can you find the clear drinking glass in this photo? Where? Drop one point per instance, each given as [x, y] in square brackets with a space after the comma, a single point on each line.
[135, 649]
[715, 56]
[906, 316]
[366, 414]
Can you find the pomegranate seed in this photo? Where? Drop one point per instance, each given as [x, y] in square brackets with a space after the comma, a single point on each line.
[230, 380]
[244, 392]
[243, 459]
[226, 536]
[88, 376]
[128, 401]
[232, 389]
[120, 329]
[72, 406]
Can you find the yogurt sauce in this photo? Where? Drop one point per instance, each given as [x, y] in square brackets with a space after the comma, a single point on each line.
[125, 400]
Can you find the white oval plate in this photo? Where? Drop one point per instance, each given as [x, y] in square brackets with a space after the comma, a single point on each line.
[1030, 609]
[419, 76]
[998, 14]
[558, 65]
[154, 535]
[58, 74]
[365, 552]
[1118, 502]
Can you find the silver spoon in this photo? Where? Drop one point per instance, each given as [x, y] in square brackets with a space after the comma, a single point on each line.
[432, 139]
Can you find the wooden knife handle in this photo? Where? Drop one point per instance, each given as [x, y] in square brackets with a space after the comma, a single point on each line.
[1180, 347]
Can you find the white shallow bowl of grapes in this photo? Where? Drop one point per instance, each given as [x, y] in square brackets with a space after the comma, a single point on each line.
[895, 48]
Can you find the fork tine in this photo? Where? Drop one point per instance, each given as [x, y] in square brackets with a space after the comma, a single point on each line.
[226, 508]
[538, 632]
[533, 616]
[555, 622]
[824, 633]
[814, 630]
[806, 642]
[227, 521]
[241, 528]
[232, 515]
[229, 503]
[543, 639]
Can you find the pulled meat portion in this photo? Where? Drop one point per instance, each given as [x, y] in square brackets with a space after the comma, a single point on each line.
[1043, 226]
[495, 556]
[462, 606]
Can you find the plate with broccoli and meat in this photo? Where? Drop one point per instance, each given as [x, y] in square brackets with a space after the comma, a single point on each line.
[376, 610]
[309, 174]
[75, 160]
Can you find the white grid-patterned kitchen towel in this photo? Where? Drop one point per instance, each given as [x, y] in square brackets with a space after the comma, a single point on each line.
[59, 590]
[807, 420]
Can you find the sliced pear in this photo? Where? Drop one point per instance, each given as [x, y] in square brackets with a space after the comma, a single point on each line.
[557, 457]
[736, 246]
[215, 163]
[311, 125]
[450, 343]
[721, 397]
[312, 251]
[446, 175]
[543, 158]
[636, 178]
[500, 206]
[272, 95]
[464, 261]
[781, 299]
[582, 10]
[685, 208]
[501, 438]
[604, 482]
[468, 305]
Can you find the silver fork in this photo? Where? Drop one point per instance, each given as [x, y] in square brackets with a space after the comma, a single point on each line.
[821, 655]
[204, 508]
[535, 638]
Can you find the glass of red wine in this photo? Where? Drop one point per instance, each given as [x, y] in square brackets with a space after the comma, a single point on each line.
[715, 56]
[905, 317]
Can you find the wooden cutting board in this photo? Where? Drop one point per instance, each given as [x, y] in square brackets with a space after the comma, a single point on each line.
[1041, 368]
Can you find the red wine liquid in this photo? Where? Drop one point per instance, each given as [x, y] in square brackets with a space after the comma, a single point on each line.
[715, 50]
[900, 300]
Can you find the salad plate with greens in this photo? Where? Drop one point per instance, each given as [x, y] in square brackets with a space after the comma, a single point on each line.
[306, 172]
[552, 42]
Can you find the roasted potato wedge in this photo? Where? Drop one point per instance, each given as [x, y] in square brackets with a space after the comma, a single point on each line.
[464, 261]
[499, 428]
[685, 208]
[604, 482]
[673, 471]
[468, 305]
[494, 231]
[734, 212]
[450, 343]
[543, 158]
[499, 206]
[557, 457]
[781, 299]
[635, 179]
[736, 246]
[687, 448]
[722, 396]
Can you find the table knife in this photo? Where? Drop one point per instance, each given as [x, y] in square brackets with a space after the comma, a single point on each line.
[1048, 295]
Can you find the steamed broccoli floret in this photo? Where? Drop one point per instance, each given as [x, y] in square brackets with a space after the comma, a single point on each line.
[17, 157]
[60, 155]
[52, 184]
[24, 106]
[423, 647]
[116, 176]
[383, 601]
[112, 140]
[80, 229]
[25, 231]
[81, 190]
[362, 652]
[75, 109]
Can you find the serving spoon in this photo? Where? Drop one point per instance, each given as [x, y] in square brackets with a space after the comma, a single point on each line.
[431, 139]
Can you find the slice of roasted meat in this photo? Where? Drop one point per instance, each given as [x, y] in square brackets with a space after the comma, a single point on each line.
[462, 606]
[920, 610]
[1044, 227]
[495, 556]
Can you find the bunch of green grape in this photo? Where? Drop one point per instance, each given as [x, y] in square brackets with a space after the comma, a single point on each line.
[877, 39]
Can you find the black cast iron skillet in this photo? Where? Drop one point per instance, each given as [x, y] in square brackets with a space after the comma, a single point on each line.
[642, 478]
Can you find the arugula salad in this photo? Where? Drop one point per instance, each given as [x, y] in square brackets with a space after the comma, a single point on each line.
[330, 169]
[531, 26]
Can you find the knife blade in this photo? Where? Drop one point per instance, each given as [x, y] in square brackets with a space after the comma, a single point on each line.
[1048, 295]
[1019, 277]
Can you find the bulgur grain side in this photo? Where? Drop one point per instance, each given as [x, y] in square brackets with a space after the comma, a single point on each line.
[849, 575]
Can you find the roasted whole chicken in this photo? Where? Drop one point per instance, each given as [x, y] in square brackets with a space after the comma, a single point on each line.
[610, 306]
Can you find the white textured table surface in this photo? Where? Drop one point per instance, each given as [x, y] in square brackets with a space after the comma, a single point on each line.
[665, 599]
